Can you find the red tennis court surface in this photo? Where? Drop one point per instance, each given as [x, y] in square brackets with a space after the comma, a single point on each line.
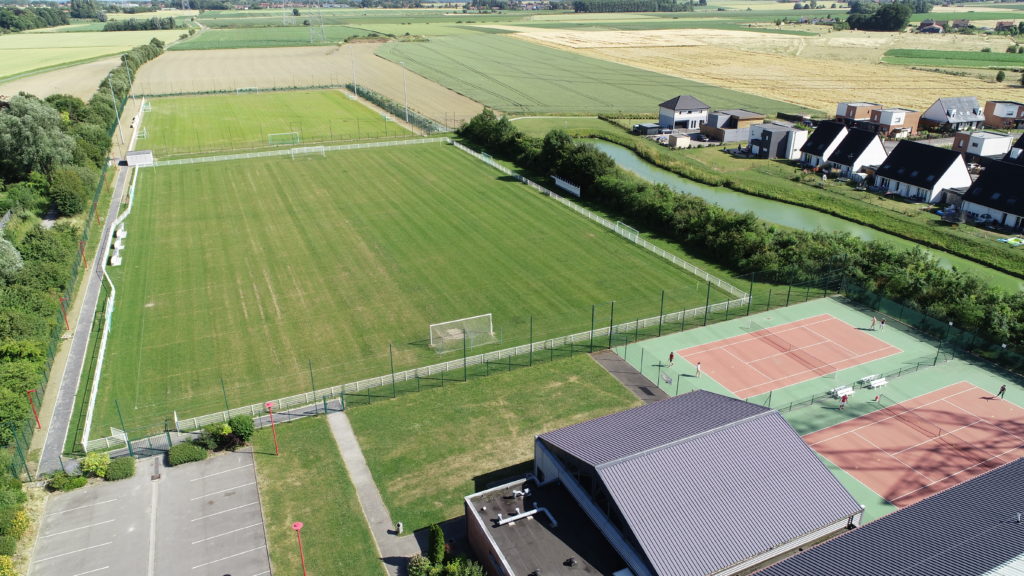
[909, 451]
[773, 358]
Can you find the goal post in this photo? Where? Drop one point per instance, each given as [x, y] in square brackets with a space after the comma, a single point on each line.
[281, 138]
[627, 231]
[469, 332]
[247, 89]
[308, 151]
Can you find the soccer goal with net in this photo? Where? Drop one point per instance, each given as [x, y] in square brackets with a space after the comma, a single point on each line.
[309, 151]
[464, 332]
[627, 231]
[143, 134]
[247, 90]
[283, 138]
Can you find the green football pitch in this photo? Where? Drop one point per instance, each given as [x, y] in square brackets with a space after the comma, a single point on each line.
[184, 125]
[249, 280]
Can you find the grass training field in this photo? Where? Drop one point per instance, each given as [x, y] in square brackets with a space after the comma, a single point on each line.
[953, 59]
[294, 35]
[538, 79]
[245, 281]
[308, 483]
[203, 124]
[424, 462]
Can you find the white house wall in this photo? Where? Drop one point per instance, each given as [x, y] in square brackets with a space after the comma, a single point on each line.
[977, 210]
[796, 141]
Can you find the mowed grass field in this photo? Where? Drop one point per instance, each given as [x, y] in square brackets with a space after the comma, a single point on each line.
[538, 79]
[245, 281]
[953, 59]
[295, 34]
[183, 125]
[28, 52]
[423, 460]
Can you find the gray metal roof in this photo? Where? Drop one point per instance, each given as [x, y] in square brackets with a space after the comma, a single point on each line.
[958, 109]
[684, 103]
[630, 432]
[699, 506]
[968, 530]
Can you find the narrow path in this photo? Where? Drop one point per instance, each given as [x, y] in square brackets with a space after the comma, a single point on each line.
[394, 550]
[630, 377]
[64, 407]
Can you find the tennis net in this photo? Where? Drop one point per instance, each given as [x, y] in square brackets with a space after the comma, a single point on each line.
[805, 358]
[927, 428]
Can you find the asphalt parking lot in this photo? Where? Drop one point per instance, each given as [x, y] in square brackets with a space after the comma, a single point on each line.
[207, 522]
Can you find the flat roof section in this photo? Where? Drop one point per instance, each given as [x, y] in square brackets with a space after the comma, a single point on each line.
[535, 543]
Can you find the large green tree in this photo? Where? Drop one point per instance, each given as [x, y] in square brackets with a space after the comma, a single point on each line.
[31, 138]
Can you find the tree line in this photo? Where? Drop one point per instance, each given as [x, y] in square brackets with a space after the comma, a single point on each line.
[51, 154]
[153, 23]
[631, 6]
[17, 19]
[745, 244]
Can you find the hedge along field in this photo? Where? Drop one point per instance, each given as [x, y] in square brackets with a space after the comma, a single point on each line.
[27, 52]
[201, 124]
[271, 277]
[952, 58]
[280, 36]
[541, 80]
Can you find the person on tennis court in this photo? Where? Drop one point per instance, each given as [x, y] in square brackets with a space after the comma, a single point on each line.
[842, 401]
[671, 358]
[881, 324]
[697, 374]
[873, 322]
[1002, 391]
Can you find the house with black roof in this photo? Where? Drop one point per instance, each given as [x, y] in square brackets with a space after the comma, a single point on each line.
[683, 113]
[998, 195]
[1016, 153]
[952, 114]
[694, 485]
[858, 148]
[921, 172]
[822, 143]
[972, 529]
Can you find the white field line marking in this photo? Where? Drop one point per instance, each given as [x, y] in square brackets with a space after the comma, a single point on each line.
[231, 532]
[81, 507]
[228, 557]
[73, 552]
[225, 511]
[79, 528]
[221, 472]
[92, 571]
[152, 528]
[262, 573]
[222, 491]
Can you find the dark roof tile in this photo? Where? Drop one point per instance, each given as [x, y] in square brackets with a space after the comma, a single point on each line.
[684, 103]
[822, 137]
[852, 146]
[917, 164]
[1001, 187]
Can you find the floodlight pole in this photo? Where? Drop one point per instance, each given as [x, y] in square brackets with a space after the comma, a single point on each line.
[298, 534]
[117, 115]
[405, 85]
[273, 428]
[130, 81]
[33, 406]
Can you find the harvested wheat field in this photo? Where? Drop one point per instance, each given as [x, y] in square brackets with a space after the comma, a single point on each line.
[816, 72]
[194, 71]
[81, 80]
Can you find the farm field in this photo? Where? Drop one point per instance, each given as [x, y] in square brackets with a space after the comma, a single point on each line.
[953, 59]
[240, 285]
[788, 68]
[541, 80]
[228, 70]
[281, 36]
[22, 53]
[80, 80]
[193, 124]
[423, 479]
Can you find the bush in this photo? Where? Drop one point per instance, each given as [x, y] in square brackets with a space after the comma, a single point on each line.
[95, 464]
[186, 452]
[13, 521]
[242, 427]
[121, 468]
[986, 49]
[8, 545]
[215, 437]
[418, 566]
[1000, 76]
[7, 566]
[64, 482]
[436, 547]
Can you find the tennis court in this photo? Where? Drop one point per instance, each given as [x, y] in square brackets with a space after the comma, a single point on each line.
[766, 359]
[910, 450]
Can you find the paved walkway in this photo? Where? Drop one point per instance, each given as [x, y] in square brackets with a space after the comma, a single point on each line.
[394, 551]
[633, 380]
[64, 407]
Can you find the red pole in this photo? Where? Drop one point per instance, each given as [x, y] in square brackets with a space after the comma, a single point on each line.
[298, 534]
[33, 406]
[270, 409]
[81, 248]
[64, 312]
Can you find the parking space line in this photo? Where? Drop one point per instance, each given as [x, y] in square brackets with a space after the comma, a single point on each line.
[228, 557]
[231, 532]
[262, 573]
[221, 472]
[222, 491]
[81, 507]
[79, 528]
[72, 552]
[224, 511]
[91, 571]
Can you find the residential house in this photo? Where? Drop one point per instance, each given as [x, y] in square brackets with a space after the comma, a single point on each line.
[850, 113]
[1004, 114]
[952, 114]
[822, 143]
[998, 195]
[683, 113]
[777, 140]
[981, 144]
[971, 529]
[931, 29]
[858, 148]
[921, 172]
[960, 24]
[665, 485]
[894, 122]
[731, 125]
[1016, 153]
[1006, 26]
